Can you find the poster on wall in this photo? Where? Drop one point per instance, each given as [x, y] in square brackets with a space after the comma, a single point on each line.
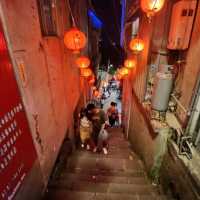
[17, 152]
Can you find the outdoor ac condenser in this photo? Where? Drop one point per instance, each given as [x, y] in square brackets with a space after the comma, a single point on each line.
[181, 24]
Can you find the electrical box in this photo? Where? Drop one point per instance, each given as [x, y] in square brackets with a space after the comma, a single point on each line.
[181, 24]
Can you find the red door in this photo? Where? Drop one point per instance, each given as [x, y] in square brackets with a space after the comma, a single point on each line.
[17, 152]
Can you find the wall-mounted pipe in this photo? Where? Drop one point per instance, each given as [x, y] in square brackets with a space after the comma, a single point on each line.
[198, 138]
[195, 116]
[195, 107]
[129, 117]
[135, 27]
[179, 104]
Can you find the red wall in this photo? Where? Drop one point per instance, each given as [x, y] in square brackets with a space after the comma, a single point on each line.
[17, 152]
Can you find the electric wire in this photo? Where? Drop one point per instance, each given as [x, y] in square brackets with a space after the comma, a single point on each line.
[71, 13]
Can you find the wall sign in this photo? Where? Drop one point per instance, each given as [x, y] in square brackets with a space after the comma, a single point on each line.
[17, 152]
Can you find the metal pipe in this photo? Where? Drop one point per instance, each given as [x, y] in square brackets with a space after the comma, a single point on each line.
[129, 117]
[198, 138]
[195, 116]
[179, 103]
[135, 27]
[195, 108]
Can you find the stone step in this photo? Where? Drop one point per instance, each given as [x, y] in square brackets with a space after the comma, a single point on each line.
[68, 195]
[112, 153]
[103, 163]
[71, 177]
[113, 149]
[95, 172]
[95, 176]
[117, 138]
[116, 135]
[119, 144]
[98, 187]
[116, 130]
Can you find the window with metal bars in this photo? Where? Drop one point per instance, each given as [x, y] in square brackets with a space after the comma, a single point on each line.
[47, 13]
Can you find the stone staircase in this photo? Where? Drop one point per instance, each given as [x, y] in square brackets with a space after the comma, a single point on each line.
[92, 176]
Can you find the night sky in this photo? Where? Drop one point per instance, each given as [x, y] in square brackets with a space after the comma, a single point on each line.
[109, 11]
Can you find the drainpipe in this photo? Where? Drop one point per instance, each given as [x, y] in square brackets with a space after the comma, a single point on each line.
[129, 117]
[135, 26]
[187, 112]
[195, 107]
[129, 113]
[179, 104]
[198, 138]
[195, 117]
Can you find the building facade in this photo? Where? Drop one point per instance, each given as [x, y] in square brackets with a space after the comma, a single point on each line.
[49, 82]
[169, 160]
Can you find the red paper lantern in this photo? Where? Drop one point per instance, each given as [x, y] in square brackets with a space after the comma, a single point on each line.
[86, 72]
[150, 7]
[91, 79]
[136, 45]
[83, 62]
[123, 71]
[130, 63]
[75, 40]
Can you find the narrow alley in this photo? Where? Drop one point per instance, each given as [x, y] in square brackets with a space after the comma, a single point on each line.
[99, 100]
[118, 175]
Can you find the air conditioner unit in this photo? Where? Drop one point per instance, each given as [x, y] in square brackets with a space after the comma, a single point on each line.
[181, 24]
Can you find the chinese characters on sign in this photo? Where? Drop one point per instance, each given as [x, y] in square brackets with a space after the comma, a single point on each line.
[17, 152]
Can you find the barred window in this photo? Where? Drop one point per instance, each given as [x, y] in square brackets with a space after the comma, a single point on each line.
[47, 13]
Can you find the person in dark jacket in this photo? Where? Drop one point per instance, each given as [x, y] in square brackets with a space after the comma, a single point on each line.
[98, 118]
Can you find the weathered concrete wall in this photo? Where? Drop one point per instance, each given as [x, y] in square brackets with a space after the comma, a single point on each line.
[139, 134]
[52, 88]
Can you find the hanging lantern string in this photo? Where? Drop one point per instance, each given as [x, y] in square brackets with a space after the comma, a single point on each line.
[71, 13]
